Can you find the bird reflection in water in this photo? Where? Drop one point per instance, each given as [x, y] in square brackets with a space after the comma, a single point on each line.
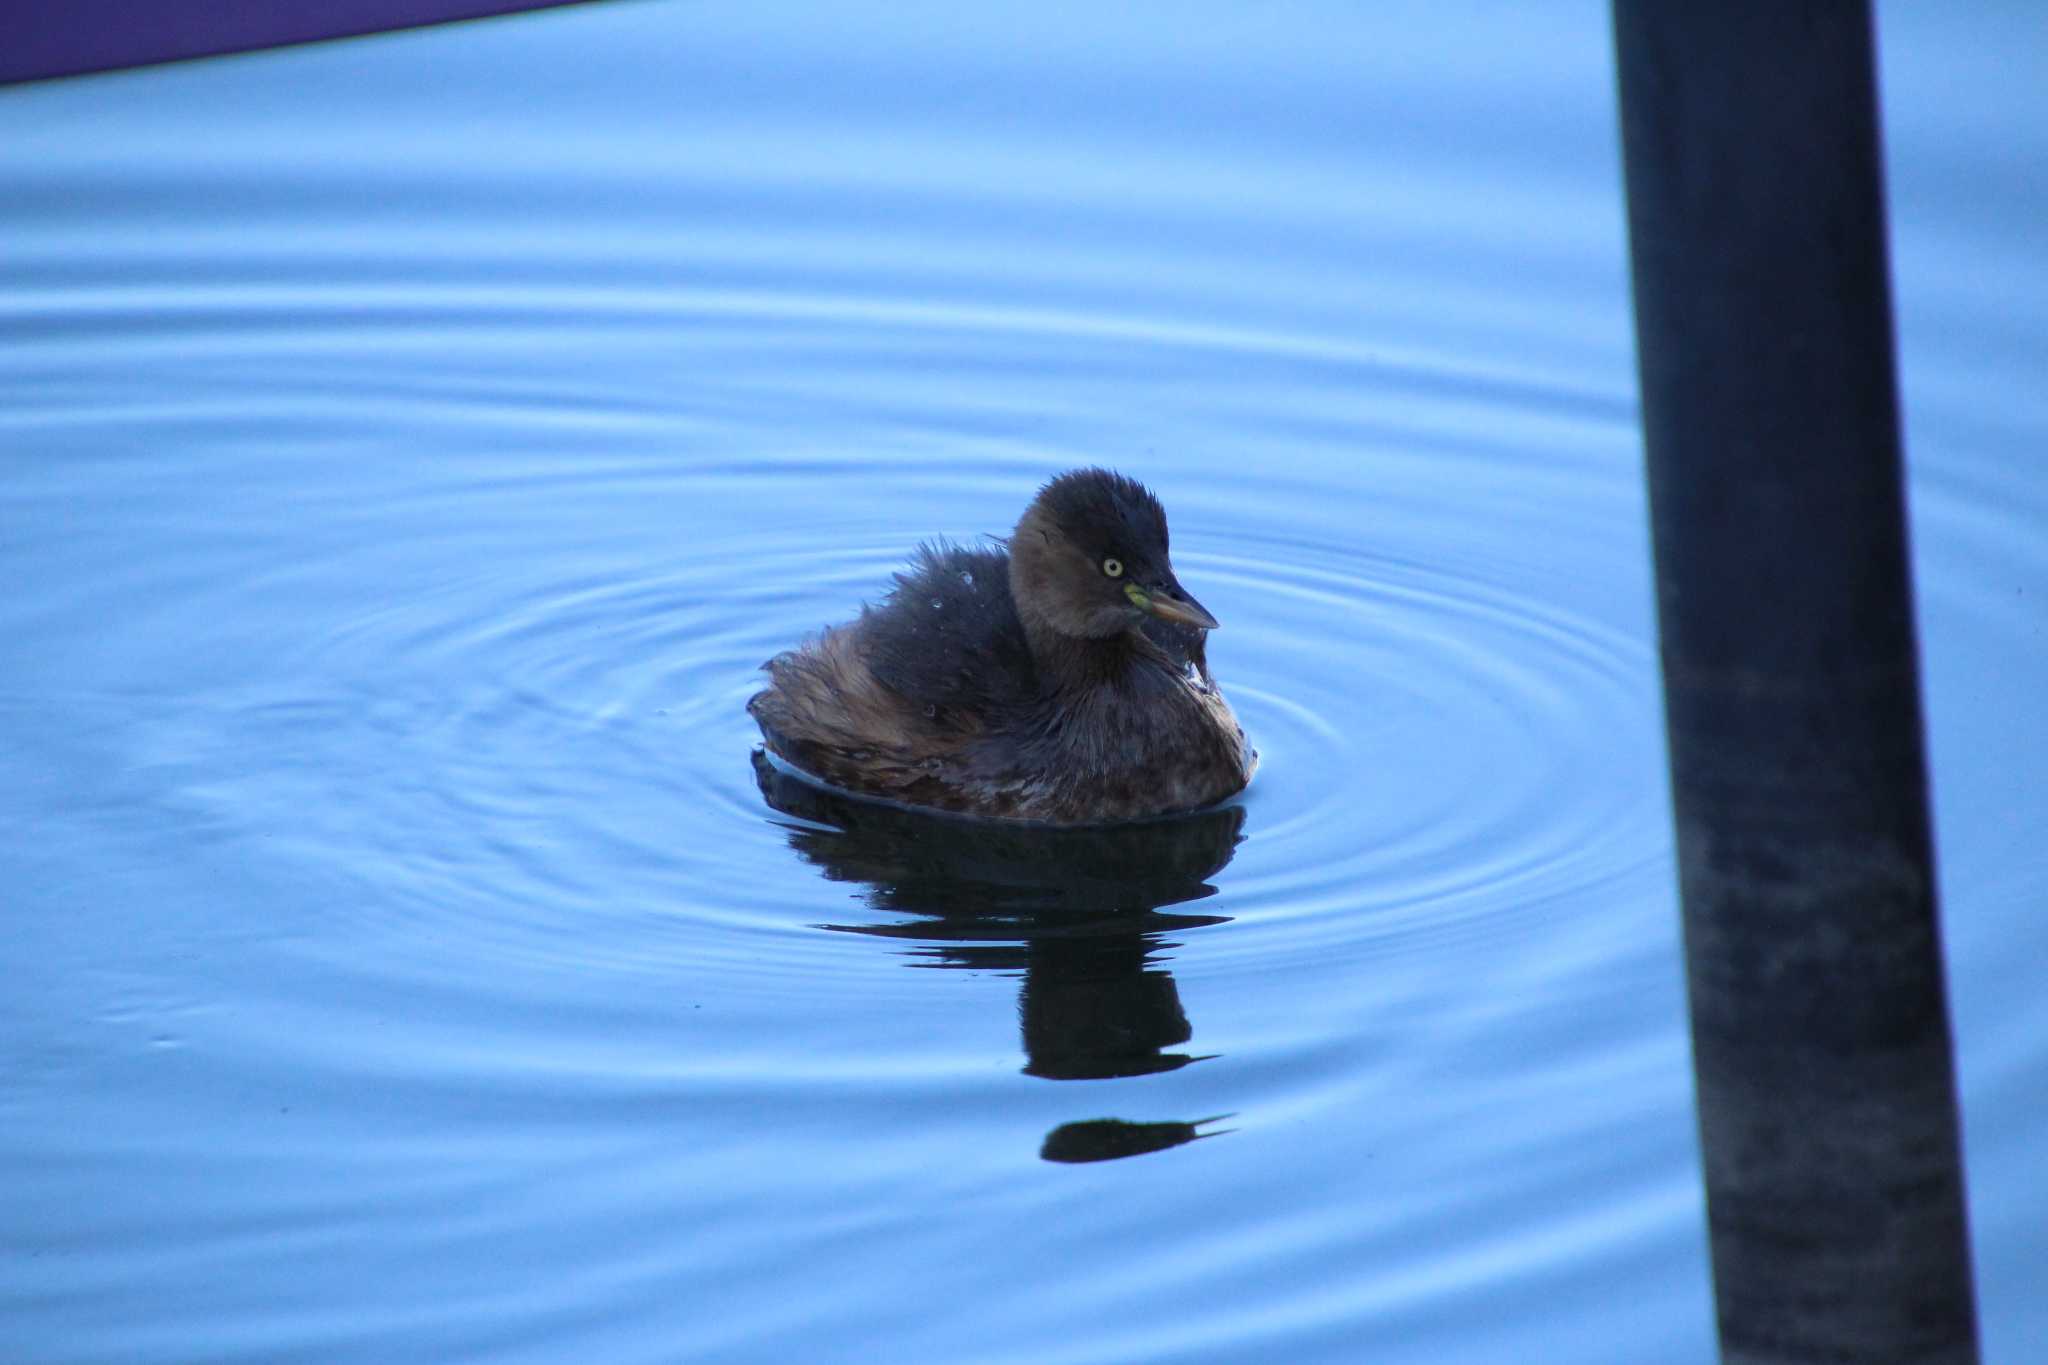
[1078, 912]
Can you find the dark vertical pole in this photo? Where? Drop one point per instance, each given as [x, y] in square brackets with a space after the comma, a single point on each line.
[1820, 1031]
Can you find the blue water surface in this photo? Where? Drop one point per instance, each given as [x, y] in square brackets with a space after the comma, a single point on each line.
[410, 446]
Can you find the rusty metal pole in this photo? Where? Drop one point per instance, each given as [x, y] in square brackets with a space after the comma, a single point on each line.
[1821, 1048]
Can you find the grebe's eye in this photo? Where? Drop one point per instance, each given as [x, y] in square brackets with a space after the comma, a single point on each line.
[1113, 566]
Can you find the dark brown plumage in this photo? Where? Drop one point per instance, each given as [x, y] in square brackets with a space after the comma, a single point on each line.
[1063, 679]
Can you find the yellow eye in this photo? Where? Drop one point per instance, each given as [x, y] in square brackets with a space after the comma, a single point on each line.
[1113, 566]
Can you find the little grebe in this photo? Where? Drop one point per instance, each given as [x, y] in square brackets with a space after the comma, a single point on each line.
[1065, 680]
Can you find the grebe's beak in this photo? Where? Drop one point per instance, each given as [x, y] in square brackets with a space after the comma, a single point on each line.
[1169, 601]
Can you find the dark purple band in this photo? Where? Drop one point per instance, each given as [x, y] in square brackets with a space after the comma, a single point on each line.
[68, 37]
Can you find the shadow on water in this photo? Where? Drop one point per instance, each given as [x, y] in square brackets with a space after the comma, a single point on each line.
[1077, 913]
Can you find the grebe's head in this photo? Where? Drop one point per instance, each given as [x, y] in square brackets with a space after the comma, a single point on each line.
[1089, 559]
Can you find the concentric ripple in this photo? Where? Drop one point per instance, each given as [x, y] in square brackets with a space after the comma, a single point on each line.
[1479, 752]
[549, 759]
[506, 700]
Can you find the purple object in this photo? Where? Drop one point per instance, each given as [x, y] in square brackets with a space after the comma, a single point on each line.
[76, 36]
